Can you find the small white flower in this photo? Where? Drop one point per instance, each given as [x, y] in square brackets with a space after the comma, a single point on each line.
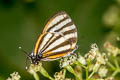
[81, 59]
[14, 76]
[100, 79]
[109, 78]
[94, 46]
[59, 75]
[93, 52]
[101, 58]
[64, 62]
[96, 67]
[68, 60]
[112, 50]
[118, 38]
[91, 67]
[103, 72]
[68, 79]
[34, 68]
[73, 58]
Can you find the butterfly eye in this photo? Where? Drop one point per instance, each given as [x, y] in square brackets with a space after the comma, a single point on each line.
[36, 63]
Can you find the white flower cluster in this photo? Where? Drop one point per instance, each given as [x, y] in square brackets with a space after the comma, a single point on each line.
[103, 71]
[100, 60]
[109, 78]
[93, 52]
[118, 38]
[14, 76]
[97, 58]
[59, 75]
[68, 60]
[81, 59]
[112, 50]
[34, 68]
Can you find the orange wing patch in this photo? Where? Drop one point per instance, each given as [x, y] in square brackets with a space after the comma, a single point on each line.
[37, 44]
[46, 26]
[57, 56]
[45, 54]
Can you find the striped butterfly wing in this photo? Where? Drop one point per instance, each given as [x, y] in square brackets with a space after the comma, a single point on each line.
[58, 39]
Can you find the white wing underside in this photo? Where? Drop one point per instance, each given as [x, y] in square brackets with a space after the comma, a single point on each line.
[59, 33]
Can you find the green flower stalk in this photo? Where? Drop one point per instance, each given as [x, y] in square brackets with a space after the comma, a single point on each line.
[38, 68]
[71, 70]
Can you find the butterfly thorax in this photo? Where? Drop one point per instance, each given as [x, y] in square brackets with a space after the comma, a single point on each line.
[35, 59]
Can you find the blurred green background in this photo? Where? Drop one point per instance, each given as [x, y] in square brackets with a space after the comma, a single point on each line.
[21, 22]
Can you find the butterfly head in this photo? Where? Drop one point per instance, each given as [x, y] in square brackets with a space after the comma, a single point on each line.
[34, 59]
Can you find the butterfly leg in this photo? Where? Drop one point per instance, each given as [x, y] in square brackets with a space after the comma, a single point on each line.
[76, 47]
[71, 42]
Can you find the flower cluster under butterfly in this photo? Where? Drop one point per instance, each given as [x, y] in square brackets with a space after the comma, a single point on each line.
[57, 39]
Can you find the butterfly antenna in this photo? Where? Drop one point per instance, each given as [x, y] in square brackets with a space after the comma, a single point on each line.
[26, 58]
[26, 63]
[24, 51]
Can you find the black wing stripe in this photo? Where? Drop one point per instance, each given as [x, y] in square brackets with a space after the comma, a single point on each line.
[73, 40]
[40, 51]
[70, 31]
[58, 37]
[57, 23]
[67, 25]
[57, 53]
[51, 42]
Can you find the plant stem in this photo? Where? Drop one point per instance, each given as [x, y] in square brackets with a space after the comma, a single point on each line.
[45, 73]
[91, 75]
[116, 63]
[86, 73]
[118, 51]
[114, 73]
[110, 65]
[36, 76]
[71, 70]
[64, 73]
[78, 63]
[87, 69]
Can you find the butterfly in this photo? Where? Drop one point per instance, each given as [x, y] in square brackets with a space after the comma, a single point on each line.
[58, 39]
